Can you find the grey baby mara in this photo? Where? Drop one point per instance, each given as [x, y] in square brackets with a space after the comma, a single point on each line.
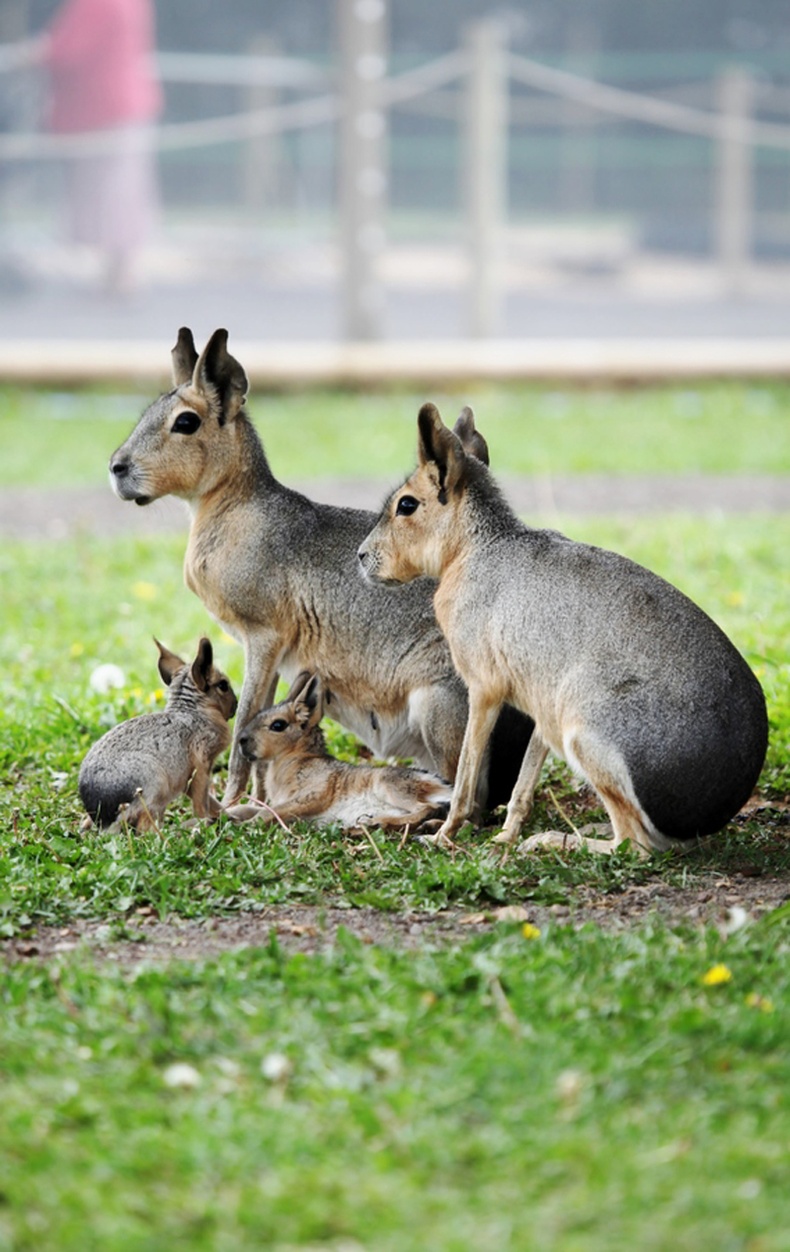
[141, 766]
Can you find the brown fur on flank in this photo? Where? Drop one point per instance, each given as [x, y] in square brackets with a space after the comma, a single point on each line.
[303, 782]
[279, 571]
[625, 677]
[140, 766]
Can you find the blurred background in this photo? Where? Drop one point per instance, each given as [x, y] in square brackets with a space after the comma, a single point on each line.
[333, 170]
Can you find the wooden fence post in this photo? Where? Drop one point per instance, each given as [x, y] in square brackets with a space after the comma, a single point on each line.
[262, 158]
[484, 172]
[734, 207]
[362, 167]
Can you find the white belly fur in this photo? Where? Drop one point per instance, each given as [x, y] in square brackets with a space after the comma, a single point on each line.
[391, 738]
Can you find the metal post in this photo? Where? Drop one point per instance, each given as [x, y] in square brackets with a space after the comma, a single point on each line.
[363, 172]
[577, 135]
[262, 158]
[14, 21]
[14, 27]
[735, 190]
[484, 155]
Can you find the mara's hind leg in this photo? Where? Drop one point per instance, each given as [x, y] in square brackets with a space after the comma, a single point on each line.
[399, 821]
[139, 815]
[601, 763]
[627, 824]
[413, 816]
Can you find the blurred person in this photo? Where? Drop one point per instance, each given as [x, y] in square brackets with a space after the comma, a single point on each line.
[99, 59]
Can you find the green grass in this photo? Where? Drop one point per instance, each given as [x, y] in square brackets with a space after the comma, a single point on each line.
[717, 428]
[576, 1091]
[567, 1091]
[57, 627]
[49, 872]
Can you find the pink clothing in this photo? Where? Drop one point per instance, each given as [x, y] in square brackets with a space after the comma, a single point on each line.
[99, 55]
[112, 198]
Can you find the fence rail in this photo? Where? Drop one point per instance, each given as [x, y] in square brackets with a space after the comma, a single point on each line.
[411, 85]
[479, 76]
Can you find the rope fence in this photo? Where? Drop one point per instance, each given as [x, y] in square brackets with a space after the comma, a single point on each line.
[453, 68]
[473, 88]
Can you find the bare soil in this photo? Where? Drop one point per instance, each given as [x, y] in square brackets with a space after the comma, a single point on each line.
[724, 900]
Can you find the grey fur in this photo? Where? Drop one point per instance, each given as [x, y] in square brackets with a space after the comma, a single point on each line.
[139, 767]
[624, 676]
[279, 572]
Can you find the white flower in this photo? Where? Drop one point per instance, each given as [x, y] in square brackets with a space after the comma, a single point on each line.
[276, 1067]
[105, 677]
[181, 1075]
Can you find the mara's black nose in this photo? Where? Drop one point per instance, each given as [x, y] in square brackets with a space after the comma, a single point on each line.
[119, 468]
[245, 744]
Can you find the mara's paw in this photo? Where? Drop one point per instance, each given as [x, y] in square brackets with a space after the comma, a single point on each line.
[592, 838]
[243, 812]
[430, 826]
[437, 840]
[559, 840]
[504, 839]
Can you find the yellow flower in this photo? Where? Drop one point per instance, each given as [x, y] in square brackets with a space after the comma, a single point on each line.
[77, 649]
[529, 931]
[144, 591]
[735, 599]
[716, 975]
[756, 1001]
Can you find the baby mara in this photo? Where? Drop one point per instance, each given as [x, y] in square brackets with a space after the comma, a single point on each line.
[627, 679]
[304, 783]
[139, 767]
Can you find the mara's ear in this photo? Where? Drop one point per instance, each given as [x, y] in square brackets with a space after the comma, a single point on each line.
[472, 441]
[309, 703]
[219, 374]
[202, 664]
[169, 663]
[296, 686]
[439, 445]
[184, 357]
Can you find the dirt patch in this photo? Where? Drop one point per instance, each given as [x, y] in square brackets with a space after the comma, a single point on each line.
[725, 901]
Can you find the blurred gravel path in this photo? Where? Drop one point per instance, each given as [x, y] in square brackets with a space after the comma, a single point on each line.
[26, 513]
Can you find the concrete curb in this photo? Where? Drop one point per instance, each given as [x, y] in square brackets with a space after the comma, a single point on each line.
[307, 364]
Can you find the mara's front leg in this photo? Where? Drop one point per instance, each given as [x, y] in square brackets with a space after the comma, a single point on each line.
[518, 809]
[483, 713]
[262, 652]
[438, 712]
[204, 803]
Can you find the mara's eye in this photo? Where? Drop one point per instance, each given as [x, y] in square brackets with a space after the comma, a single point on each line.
[406, 506]
[185, 424]
[279, 724]
[223, 685]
